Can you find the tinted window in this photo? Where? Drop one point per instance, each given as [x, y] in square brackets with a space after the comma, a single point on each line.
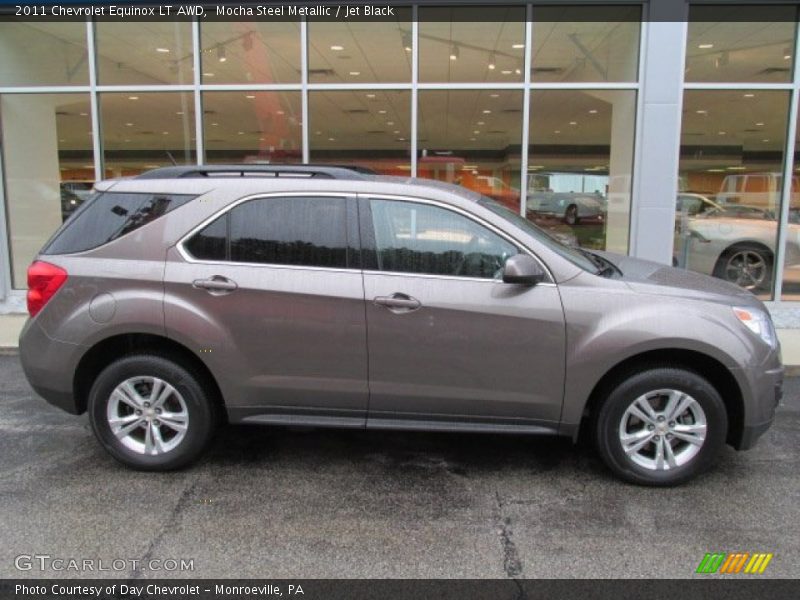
[211, 242]
[420, 238]
[109, 215]
[290, 231]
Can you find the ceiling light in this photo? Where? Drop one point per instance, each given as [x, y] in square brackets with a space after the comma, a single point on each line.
[454, 52]
[705, 46]
[737, 168]
[573, 122]
[221, 54]
[370, 96]
[337, 48]
[401, 139]
[481, 123]
[494, 95]
[765, 141]
[476, 132]
[471, 139]
[84, 114]
[407, 41]
[759, 124]
[557, 131]
[593, 111]
[331, 139]
[396, 131]
[133, 97]
[492, 61]
[214, 124]
[317, 133]
[390, 122]
[518, 71]
[749, 95]
[180, 112]
[702, 112]
[165, 133]
[355, 73]
[518, 46]
[280, 112]
[208, 74]
[723, 133]
[128, 124]
[163, 50]
[240, 132]
[250, 96]
[506, 72]
[486, 111]
[381, 112]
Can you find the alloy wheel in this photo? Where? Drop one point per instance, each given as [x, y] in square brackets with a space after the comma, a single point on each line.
[746, 268]
[663, 429]
[147, 415]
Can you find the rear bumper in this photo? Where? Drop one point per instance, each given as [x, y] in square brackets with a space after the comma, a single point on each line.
[49, 366]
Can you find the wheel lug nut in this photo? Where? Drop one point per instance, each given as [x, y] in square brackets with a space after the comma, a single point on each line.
[156, 422]
[656, 438]
[158, 411]
[651, 427]
[672, 423]
[669, 436]
[147, 405]
[659, 418]
[138, 413]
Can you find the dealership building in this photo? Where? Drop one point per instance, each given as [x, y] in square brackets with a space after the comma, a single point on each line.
[663, 129]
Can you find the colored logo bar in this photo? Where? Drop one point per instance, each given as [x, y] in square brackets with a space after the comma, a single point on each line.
[736, 562]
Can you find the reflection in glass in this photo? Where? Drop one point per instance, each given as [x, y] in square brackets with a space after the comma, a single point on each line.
[791, 269]
[370, 129]
[250, 52]
[43, 53]
[757, 47]
[472, 44]
[146, 130]
[732, 146]
[252, 127]
[360, 51]
[151, 53]
[579, 165]
[48, 164]
[585, 43]
[472, 138]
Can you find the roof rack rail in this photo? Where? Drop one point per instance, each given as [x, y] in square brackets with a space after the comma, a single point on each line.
[318, 171]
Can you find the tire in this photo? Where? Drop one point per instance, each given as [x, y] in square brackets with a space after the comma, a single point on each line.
[185, 423]
[617, 416]
[571, 215]
[757, 259]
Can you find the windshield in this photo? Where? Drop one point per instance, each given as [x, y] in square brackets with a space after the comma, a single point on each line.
[574, 255]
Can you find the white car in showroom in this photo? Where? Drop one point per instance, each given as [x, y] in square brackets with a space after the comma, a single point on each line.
[736, 243]
[573, 207]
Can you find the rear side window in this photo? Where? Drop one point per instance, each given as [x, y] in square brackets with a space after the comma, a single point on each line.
[109, 215]
[310, 232]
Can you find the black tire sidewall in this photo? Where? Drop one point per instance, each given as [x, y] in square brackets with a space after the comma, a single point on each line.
[620, 398]
[199, 407]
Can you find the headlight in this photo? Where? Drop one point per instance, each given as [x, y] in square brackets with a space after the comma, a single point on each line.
[759, 323]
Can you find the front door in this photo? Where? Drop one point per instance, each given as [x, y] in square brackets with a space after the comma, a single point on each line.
[448, 340]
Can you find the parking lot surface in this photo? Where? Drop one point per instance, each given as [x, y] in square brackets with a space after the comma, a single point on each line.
[286, 504]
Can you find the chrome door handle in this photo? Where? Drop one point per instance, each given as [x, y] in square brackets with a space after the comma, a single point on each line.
[217, 283]
[397, 302]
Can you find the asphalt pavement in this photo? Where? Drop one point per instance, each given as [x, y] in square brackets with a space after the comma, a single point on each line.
[321, 503]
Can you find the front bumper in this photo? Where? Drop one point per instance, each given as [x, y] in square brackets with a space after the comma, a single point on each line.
[767, 395]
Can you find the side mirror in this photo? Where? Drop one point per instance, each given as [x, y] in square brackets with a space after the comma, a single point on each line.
[523, 270]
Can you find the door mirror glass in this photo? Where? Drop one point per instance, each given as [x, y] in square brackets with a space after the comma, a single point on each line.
[523, 270]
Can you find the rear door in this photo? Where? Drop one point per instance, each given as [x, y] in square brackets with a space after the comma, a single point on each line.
[270, 294]
[451, 345]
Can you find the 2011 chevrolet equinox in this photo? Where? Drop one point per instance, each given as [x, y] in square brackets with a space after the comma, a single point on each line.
[326, 296]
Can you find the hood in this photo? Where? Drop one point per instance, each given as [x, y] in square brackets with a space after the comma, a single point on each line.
[648, 277]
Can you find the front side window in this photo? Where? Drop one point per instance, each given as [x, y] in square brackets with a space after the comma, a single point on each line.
[310, 232]
[419, 238]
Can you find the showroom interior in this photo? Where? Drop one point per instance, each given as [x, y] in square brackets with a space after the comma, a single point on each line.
[632, 132]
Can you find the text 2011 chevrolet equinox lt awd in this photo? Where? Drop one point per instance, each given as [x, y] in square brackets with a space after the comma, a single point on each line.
[325, 296]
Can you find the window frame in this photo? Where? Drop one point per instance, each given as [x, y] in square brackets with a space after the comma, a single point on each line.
[369, 249]
[352, 235]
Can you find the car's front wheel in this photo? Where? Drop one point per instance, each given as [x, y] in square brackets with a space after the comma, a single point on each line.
[661, 426]
[151, 413]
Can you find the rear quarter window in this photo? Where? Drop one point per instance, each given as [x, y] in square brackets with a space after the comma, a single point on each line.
[107, 216]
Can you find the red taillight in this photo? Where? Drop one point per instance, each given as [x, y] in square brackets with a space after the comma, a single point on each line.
[44, 280]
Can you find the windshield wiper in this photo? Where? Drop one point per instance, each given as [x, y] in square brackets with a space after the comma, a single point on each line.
[604, 267]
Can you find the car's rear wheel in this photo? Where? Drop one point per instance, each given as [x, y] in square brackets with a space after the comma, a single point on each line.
[571, 215]
[661, 426]
[151, 413]
[746, 265]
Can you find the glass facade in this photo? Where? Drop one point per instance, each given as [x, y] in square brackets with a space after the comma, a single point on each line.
[733, 203]
[428, 95]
